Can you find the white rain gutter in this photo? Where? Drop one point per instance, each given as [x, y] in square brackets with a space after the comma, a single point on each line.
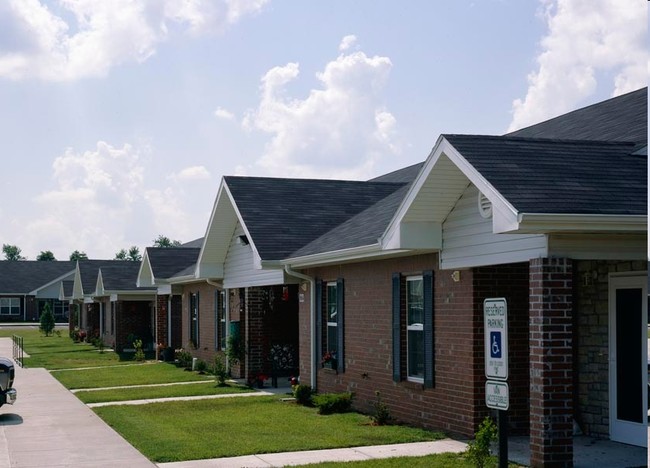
[312, 316]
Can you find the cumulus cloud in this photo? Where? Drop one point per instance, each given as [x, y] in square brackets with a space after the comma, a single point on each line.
[584, 39]
[89, 37]
[102, 202]
[347, 42]
[339, 130]
[224, 114]
[192, 173]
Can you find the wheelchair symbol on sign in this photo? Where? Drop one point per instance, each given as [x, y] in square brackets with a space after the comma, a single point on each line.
[495, 347]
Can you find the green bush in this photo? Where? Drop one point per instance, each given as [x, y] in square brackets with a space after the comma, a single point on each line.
[381, 416]
[47, 320]
[184, 358]
[330, 403]
[139, 353]
[219, 370]
[303, 394]
[478, 450]
[201, 366]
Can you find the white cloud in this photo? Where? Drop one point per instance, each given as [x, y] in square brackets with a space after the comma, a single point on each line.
[585, 38]
[339, 130]
[192, 173]
[102, 202]
[37, 43]
[347, 42]
[224, 114]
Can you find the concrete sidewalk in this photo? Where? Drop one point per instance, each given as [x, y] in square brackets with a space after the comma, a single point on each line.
[49, 426]
[316, 456]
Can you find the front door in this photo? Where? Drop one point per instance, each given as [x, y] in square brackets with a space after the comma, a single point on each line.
[628, 312]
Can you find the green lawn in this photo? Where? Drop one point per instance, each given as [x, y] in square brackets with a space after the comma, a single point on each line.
[147, 393]
[59, 351]
[443, 460]
[229, 427]
[136, 374]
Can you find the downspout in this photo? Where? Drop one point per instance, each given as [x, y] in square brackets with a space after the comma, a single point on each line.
[312, 317]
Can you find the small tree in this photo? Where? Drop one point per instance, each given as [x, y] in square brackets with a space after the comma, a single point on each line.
[45, 256]
[132, 254]
[47, 320]
[478, 450]
[12, 252]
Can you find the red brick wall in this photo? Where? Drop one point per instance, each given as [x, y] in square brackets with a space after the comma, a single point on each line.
[206, 339]
[177, 321]
[551, 362]
[237, 305]
[453, 404]
[133, 318]
[162, 326]
[511, 282]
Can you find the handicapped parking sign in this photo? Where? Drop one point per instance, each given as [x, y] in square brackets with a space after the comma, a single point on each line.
[495, 314]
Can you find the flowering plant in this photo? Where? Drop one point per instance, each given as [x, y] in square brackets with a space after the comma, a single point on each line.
[329, 357]
[282, 356]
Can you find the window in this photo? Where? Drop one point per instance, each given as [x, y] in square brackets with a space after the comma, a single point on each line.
[415, 328]
[10, 306]
[194, 318]
[330, 304]
[220, 322]
[413, 351]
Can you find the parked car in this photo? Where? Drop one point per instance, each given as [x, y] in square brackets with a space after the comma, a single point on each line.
[8, 394]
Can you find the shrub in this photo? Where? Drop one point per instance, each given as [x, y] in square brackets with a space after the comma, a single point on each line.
[184, 358]
[219, 370]
[235, 350]
[478, 450]
[330, 403]
[139, 353]
[201, 366]
[381, 416]
[302, 394]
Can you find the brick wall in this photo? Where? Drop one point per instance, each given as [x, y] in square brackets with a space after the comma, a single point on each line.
[591, 282]
[511, 282]
[453, 405]
[237, 306]
[177, 321]
[205, 348]
[133, 320]
[551, 362]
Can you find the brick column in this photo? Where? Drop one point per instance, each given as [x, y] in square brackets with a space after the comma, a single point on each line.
[551, 362]
[254, 329]
[162, 302]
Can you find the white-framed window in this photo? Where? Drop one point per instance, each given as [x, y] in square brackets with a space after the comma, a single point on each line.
[10, 306]
[415, 328]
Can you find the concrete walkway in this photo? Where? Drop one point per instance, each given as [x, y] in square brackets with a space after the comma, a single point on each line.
[49, 426]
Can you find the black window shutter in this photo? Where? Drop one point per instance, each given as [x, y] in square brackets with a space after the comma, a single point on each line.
[397, 329]
[318, 294]
[429, 374]
[198, 315]
[340, 310]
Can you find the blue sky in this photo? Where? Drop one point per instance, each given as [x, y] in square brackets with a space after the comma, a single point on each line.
[118, 119]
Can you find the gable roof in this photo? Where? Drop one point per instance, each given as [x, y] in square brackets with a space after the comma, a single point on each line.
[283, 215]
[406, 175]
[120, 276]
[560, 176]
[166, 262]
[196, 243]
[85, 281]
[26, 276]
[621, 118]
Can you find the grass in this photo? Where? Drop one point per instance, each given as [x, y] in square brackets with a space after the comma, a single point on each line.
[59, 351]
[136, 374]
[244, 426]
[147, 393]
[442, 460]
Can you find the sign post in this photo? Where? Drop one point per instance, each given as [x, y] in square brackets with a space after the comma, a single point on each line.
[497, 393]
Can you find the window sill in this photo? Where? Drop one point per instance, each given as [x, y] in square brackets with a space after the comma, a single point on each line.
[328, 370]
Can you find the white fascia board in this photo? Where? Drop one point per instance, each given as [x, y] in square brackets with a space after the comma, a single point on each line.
[164, 290]
[77, 287]
[99, 285]
[131, 295]
[390, 238]
[185, 280]
[145, 272]
[343, 256]
[221, 193]
[545, 223]
[88, 300]
[61, 292]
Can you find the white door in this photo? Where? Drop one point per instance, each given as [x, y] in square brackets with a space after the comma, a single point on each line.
[628, 393]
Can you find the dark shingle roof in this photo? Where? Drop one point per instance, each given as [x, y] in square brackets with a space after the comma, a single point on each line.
[121, 276]
[623, 118]
[196, 243]
[27, 275]
[560, 176]
[405, 175]
[89, 269]
[283, 215]
[166, 262]
[68, 287]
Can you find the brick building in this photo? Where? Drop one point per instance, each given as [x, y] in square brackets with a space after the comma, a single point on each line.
[380, 285]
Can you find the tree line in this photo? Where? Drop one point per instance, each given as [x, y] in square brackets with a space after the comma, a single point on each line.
[13, 252]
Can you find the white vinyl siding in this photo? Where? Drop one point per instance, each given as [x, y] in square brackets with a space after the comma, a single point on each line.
[239, 267]
[468, 240]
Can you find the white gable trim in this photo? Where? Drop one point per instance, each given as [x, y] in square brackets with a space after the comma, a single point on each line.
[221, 227]
[99, 286]
[46, 285]
[145, 273]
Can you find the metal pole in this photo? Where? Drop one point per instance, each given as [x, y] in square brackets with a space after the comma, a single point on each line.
[503, 438]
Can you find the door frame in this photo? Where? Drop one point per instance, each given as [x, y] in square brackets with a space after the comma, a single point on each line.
[619, 430]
